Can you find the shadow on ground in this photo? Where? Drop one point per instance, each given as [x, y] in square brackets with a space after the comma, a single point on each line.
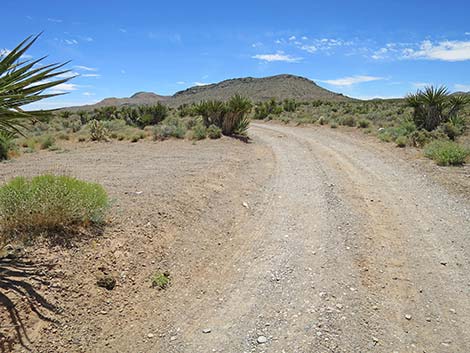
[18, 280]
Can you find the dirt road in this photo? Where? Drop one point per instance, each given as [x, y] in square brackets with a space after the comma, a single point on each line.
[322, 243]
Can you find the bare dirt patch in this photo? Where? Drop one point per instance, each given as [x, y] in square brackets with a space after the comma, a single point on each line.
[307, 239]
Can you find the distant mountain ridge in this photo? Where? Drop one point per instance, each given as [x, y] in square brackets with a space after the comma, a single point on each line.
[278, 87]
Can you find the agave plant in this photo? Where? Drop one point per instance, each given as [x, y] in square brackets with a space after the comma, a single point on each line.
[434, 106]
[23, 82]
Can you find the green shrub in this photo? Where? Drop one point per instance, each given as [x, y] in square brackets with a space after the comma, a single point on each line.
[6, 144]
[50, 202]
[136, 137]
[63, 136]
[451, 130]
[363, 123]
[160, 280]
[385, 135]
[289, 105]
[333, 125]
[214, 132]
[98, 131]
[170, 127]
[348, 121]
[419, 138]
[46, 142]
[446, 153]
[199, 132]
[401, 141]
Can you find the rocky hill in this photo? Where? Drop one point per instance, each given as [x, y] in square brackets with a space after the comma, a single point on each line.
[257, 89]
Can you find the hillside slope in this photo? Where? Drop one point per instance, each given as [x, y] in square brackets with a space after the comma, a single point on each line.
[258, 89]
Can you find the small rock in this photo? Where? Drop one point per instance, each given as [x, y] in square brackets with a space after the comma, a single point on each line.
[339, 306]
[150, 335]
[207, 330]
[173, 338]
[261, 339]
[443, 263]
[245, 205]
[106, 281]
[408, 316]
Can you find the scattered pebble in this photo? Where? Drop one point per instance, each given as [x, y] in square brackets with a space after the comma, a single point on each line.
[207, 330]
[408, 316]
[150, 335]
[261, 339]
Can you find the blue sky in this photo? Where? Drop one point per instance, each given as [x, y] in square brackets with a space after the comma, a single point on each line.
[360, 48]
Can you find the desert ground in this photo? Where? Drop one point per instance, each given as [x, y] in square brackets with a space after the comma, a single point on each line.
[305, 239]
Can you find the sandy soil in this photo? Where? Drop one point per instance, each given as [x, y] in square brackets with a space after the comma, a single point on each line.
[305, 240]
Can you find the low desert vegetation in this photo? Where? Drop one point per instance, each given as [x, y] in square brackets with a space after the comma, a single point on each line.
[446, 152]
[160, 280]
[50, 203]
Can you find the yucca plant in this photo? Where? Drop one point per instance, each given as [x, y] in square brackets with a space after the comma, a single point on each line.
[23, 82]
[212, 112]
[236, 120]
[434, 106]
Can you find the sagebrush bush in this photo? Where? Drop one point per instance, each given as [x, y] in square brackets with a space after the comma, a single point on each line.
[401, 141]
[170, 127]
[363, 123]
[199, 132]
[348, 121]
[46, 142]
[50, 202]
[214, 132]
[446, 153]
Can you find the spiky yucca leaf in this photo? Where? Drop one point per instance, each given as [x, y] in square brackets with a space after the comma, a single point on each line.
[23, 82]
[434, 106]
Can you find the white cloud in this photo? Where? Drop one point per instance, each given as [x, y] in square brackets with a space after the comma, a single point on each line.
[201, 83]
[461, 87]
[467, 33]
[292, 38]
[380, 53]
[85, 68]
[90, 75]
[421, 84]
[309, 48]
[64, 88]
[88, 94]
[68, 74]
[55, 20]
[351, 80]
[280, 56]
[4, 52]
[70, 41]
[86, 39]
[445, 51]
